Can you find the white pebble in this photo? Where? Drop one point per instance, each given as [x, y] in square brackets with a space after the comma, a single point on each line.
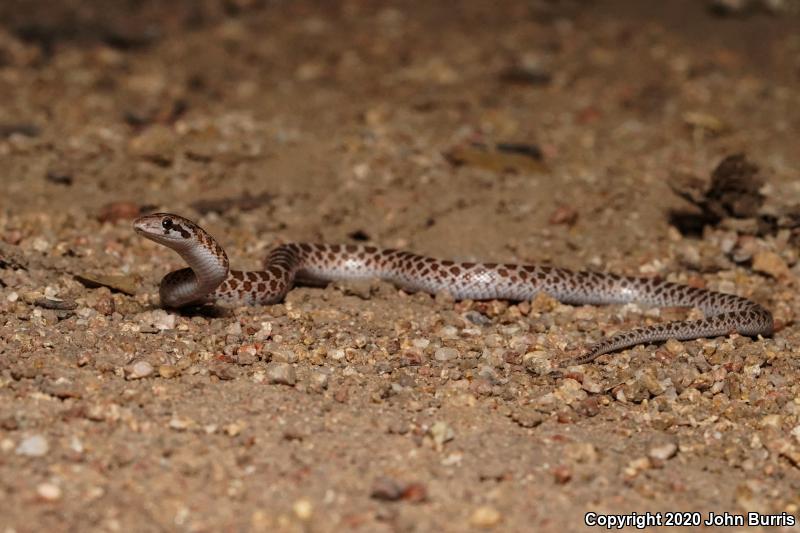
[663, 452]
[302, 509]
[33, 446]
[139, 370]
[48, 491]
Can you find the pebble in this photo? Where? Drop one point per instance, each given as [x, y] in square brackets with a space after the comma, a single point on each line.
[33, 446]
[387, 489]
[415, 493]
[167, 371]
[303, 509]
[448, 332]
[139, 370]
[264, 333]
[282, 373]
[246, 354]
[158, 318]
[570, 392]
[420, 343]
[485, 517]
[234, 328]
[319, 380]
[537, 363]
[562, 474]
[663, 452]
[440, 432]
[282, 355]
[48, 491]
[337, 354]
[770, 263]
[674, 346]
[445, 354]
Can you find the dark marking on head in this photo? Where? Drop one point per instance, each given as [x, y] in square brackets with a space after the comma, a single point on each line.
[177, 227]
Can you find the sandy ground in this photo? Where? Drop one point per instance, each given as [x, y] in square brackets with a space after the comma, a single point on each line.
[359, 407]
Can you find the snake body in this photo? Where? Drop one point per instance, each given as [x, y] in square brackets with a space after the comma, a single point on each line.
[209, 279]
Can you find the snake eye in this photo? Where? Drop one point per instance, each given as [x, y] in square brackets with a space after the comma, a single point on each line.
[166, 223]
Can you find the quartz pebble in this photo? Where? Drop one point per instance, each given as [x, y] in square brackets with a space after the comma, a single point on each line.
[139, 370]
[663, 452]
[48, 491]
[33, 446]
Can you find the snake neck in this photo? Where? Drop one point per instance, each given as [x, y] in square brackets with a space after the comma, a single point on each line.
[208, 268]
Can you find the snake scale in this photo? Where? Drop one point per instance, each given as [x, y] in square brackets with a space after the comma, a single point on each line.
[209, 279]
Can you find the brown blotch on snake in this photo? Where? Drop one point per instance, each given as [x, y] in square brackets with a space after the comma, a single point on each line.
[209, 279]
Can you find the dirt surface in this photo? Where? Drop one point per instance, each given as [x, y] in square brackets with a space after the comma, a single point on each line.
[359, 407]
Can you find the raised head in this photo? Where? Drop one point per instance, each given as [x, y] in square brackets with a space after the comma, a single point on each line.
[172, 231]
[205, 257]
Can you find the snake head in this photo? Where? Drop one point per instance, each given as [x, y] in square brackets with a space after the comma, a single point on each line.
[170, 230]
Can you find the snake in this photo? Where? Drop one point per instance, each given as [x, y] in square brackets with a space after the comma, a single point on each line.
[209, 279]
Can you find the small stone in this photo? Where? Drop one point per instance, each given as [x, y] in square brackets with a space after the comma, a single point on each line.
[420, 343]
[485, 517]
[167, 371]
[246, 354]
[415, 493]
[537, 362]
[581, 452]
[281, 373]
[337, 354]
[448, 332]
[770, 263]
[234, 328]
[234, 428]
[139, 370]
[772, 421]
[564, 214]
[181, 424]
[319, 380]
[303, 509]
[445, 354]
[264, 333]
[705, 122]
[674, 346]
[48, 491]
[440, 432]
[562, 474]
[570, 392]
[663, 452]
[387, 489]
[636, 466]
[282, 355]
[33, 446]
[527, 418]
[796, 433]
